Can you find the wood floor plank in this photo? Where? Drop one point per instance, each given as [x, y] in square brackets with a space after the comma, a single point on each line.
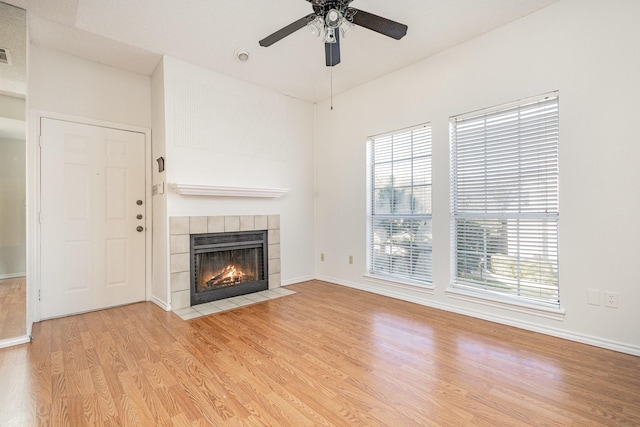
[325, 356]
[13, 307]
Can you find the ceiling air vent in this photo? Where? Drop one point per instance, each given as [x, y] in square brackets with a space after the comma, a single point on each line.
[5, 57]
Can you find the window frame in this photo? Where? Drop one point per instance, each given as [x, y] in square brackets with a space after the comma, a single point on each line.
[420, 217]
[549, 294]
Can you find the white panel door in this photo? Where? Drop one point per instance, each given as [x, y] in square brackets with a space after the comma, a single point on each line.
[92, 215]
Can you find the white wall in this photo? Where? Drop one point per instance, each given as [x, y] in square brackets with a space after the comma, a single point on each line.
[220, 131]
[12, 208]
[586, 49]
[12, 108]
[62, 83]
[12, 187]
[160, 285]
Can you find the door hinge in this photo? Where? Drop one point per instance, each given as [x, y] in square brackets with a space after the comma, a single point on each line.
[39, 293]
[40, 217]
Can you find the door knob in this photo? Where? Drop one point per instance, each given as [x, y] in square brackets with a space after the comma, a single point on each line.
[139, 202]
[140, 229]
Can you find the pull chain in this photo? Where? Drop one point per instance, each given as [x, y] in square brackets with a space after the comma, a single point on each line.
[331, 74]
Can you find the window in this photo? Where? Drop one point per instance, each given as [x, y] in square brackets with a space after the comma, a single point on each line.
[399, 205]
[504, 197]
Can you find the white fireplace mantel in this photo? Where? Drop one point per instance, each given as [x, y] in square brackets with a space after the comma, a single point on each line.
[217, 191]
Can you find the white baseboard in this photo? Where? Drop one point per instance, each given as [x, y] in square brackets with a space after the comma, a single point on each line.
[161, 304]
[296, 280]
[12, 276]
[15, 341]
[555, 332]
[386, 290]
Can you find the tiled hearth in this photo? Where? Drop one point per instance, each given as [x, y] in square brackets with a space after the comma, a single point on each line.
[181, 227]
[230, 303]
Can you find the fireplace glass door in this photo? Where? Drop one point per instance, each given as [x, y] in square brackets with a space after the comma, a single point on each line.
[228, 268]
[228, 264]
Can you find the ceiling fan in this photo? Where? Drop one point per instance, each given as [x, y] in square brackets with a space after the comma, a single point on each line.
[332, 17]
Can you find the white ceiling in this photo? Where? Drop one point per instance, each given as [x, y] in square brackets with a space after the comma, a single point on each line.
[133, 34]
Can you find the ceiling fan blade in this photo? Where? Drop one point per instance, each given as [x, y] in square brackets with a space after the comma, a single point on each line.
[379, 24]
[332, 51]
[284, 32]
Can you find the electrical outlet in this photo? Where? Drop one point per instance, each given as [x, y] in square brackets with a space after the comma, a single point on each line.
[322, 257]
[350, 259]
[611, 299]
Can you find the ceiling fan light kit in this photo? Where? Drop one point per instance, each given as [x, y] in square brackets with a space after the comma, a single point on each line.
[335, 17]
[345, 27]
[316, 27]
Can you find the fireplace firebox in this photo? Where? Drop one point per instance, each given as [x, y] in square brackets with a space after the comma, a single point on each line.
[225, 265]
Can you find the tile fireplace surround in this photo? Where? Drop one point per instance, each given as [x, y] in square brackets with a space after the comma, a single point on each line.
[181, 227]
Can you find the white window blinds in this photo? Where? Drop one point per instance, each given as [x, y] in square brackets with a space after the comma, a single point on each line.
[504, 185]
[399, 205]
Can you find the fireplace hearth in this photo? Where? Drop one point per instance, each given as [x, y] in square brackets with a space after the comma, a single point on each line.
[225, 265]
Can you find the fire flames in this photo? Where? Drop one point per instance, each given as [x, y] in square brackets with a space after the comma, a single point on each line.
[230, 275]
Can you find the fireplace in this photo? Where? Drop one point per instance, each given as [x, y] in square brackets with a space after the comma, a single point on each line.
[225, 265]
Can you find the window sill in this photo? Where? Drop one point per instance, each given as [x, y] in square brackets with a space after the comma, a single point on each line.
[507, 304]
[399, 283]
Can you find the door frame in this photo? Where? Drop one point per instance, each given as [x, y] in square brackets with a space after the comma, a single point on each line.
[34, 237]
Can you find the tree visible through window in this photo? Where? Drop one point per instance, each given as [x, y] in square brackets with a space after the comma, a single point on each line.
[399, 205]
[504, 196]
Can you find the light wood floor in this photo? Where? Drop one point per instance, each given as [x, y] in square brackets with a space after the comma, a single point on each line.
[13, 306]
[327, 355]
